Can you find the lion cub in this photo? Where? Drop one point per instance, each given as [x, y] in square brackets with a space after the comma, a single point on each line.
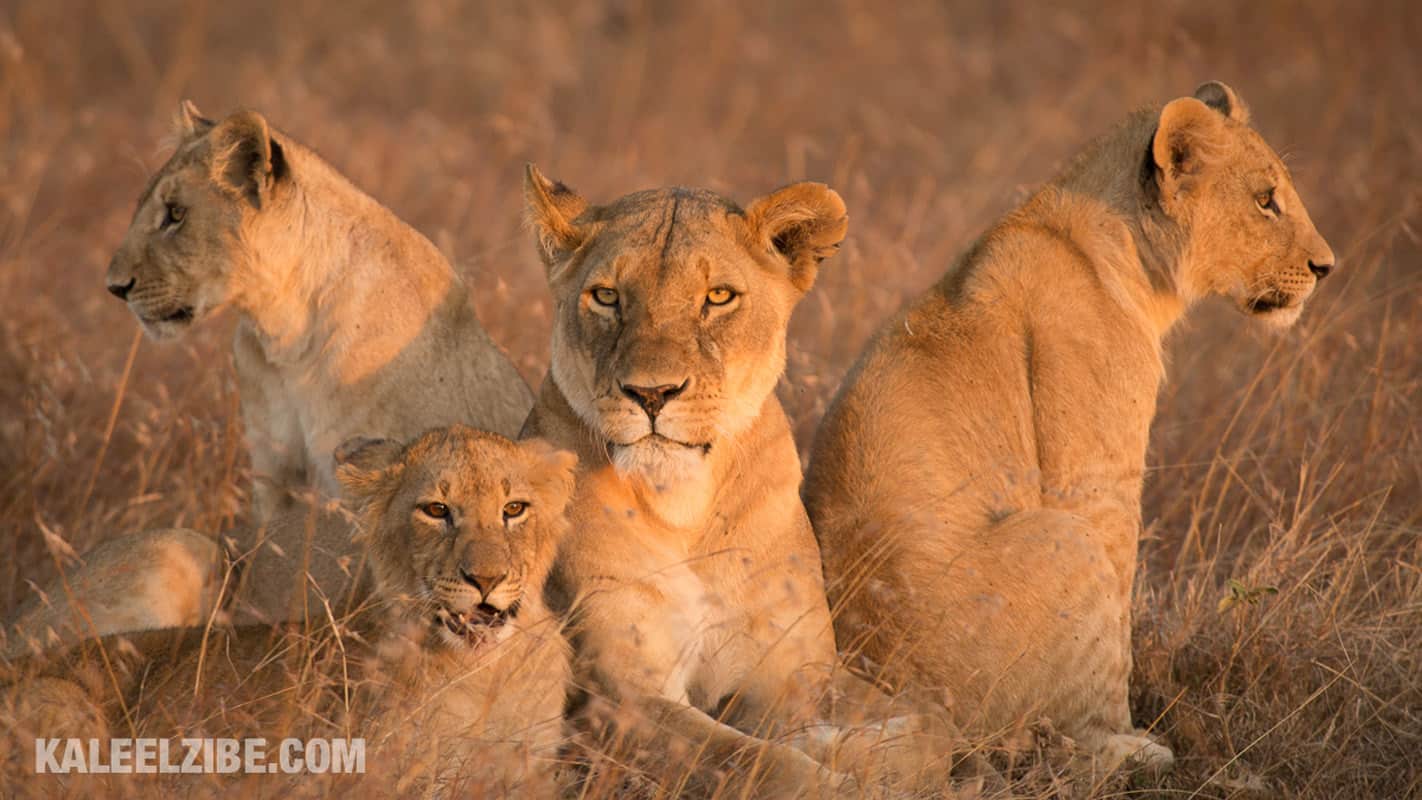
[975, 487]
[349, 323]
[462, 684]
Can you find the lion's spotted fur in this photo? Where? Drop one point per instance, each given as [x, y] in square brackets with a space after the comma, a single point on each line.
[975, 486]
[493, 711]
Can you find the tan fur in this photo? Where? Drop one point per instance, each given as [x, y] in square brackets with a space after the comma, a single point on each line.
[975, 487]
[436, 712]
[691, 570]
[350, 323]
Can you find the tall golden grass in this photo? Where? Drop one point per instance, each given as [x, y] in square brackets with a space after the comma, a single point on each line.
[1279, 461]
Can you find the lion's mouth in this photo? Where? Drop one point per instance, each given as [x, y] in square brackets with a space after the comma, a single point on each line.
[1265, 303]
[179, 315]
[659, 440]
[476, 625]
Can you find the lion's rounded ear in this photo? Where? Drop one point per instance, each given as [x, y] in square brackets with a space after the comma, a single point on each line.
[1222, 98]
[554, 470]
[245, 158]
[190, 122]
[802, 223]
[1187, 140]
[551, 208]
[364, 464]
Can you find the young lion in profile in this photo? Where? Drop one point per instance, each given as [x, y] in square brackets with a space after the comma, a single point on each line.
[975, 487]
[464, 683]
[350, 323]
[693, 577]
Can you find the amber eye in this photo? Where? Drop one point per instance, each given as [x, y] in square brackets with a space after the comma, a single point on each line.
[174, 214]
[435, 510]
[514, 509]
[720, 296]
[1265, 201]
[605, 296]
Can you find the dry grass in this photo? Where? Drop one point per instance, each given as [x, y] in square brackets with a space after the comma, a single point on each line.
[1290, 461]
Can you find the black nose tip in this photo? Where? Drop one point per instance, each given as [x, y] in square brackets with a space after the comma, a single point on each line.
[121, 290]
[653, 398]
[1320, 271]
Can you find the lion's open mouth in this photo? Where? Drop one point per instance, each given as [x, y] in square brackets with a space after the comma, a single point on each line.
[1265, 303]
[477, 624]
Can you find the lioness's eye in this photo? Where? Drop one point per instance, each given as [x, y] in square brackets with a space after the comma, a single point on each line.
[720, 296]
[436, 510]
[514, 509]
[605, 296]
[174, 215]
[1265, 201]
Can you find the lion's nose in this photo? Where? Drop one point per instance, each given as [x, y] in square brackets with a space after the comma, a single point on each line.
[121, 290]
[653, 398]
[1320, 271]
[484, 583]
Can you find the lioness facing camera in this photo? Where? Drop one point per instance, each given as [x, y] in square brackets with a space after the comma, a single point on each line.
[975, 487]
[698, 607]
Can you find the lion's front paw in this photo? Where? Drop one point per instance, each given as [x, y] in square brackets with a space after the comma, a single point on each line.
[1137, 751]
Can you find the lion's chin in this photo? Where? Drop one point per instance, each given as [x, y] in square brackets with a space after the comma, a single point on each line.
[664, 463]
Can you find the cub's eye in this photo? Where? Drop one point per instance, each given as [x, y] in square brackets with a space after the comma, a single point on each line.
[720, 296]
[174, 215]
[1265, 201]
[515, 509]
[605, 296]
[435, 510]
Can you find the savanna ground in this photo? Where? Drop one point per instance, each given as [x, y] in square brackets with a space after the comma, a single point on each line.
[1285, 469]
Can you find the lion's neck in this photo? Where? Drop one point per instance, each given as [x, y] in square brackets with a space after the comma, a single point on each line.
[334, 278]
[1157, 246]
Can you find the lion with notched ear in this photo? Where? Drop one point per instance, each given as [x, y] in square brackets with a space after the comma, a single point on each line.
[698, 608]
[349, 323]
[461, 684]
[976, 485]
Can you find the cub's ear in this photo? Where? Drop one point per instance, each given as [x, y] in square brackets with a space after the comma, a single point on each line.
[551, 208]
[1223, 99]
[364, 466]
[1188, 139]
[190, 122]
[245, 158]
[802, 223]
[554, 471]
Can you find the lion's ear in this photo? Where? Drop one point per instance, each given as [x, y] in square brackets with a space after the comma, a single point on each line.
[245, 158]
[190, 122]
[802, 223]
[364, 466]
[1222, 98]
[554, 471]
[551, 208]
[1187, 140]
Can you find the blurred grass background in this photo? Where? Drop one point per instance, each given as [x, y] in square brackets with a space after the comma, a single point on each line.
[1289, 461]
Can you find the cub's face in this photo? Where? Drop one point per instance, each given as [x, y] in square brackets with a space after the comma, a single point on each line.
[177, 260]
[1252, 240]
[671, 311]
[462, 526]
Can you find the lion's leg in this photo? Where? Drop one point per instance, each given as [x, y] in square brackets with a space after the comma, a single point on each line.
[1023, 620]
[155, 579]
[734, 764]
